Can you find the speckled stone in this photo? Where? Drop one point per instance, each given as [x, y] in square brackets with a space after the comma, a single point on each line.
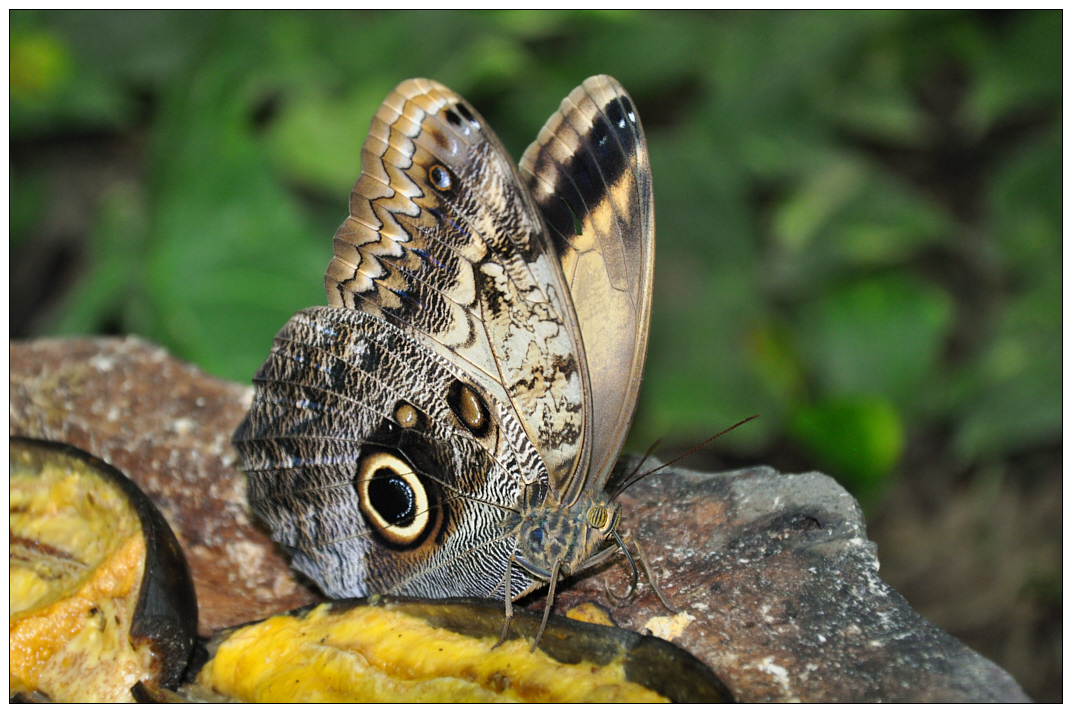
[780, 594]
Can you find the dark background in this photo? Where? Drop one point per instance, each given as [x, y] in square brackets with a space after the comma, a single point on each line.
[858, 219]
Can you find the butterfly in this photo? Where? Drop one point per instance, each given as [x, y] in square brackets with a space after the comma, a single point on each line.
[448, 425]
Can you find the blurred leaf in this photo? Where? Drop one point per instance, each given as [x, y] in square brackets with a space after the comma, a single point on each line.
[880, 335]
[232, 256]
[94, 59]
[706, 305]
[775, 70]
[135, 47]
[1010, 395]
[1020, 71]
[1027, 207]
[28, 195]
[884, 118]
[40, 65]
[776, 363]
[114, 289]
[699, 380]
[51, 89]
[857, 440]
[848, 215]
[497, 58]
[701, 204]
[532, 24]
[825, 192]
[888, 224]
[641, 50]
[317, 138]
[1016, 387]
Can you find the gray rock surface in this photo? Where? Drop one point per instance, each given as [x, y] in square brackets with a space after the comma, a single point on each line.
[780, 593]
[777, 583]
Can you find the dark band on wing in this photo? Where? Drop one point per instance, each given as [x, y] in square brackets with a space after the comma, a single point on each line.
[604, 152]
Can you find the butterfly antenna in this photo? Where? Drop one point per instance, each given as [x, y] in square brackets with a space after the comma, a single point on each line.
[647, 455]
[634, 479]
[631, 478]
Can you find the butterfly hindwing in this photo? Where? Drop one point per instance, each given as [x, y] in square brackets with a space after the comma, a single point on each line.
[366, 457]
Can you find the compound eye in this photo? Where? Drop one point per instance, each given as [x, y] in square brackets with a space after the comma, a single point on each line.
[598, 517]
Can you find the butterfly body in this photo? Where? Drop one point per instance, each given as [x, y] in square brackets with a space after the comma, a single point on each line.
[447, 425]
[550, 532]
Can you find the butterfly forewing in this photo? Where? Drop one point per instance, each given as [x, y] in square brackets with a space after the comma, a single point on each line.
[589, 168]
[444, 240]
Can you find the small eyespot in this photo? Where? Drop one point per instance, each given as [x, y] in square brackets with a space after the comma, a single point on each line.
[469, 408]
[452, 117]
[439, 177]
[406, 415]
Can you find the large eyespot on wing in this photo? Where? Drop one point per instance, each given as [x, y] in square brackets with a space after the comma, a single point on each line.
[590, 176]
[445, 242]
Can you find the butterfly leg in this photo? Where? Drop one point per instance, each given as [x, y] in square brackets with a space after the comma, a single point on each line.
[632, 566]
[622, 545]
[651, 577]
[509, 606]
[547, 607]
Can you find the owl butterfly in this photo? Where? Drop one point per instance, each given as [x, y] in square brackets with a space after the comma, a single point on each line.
[448, 425]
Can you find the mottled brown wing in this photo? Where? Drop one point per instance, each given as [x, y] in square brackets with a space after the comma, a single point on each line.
[589, 168]
[443, 240]
[361, 460]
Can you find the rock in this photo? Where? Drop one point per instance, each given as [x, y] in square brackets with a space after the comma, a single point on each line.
[780, 593]
[777, 583]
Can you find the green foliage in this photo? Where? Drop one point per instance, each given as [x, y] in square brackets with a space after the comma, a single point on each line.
[861, 440]
[808, 269]
[879, 335]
